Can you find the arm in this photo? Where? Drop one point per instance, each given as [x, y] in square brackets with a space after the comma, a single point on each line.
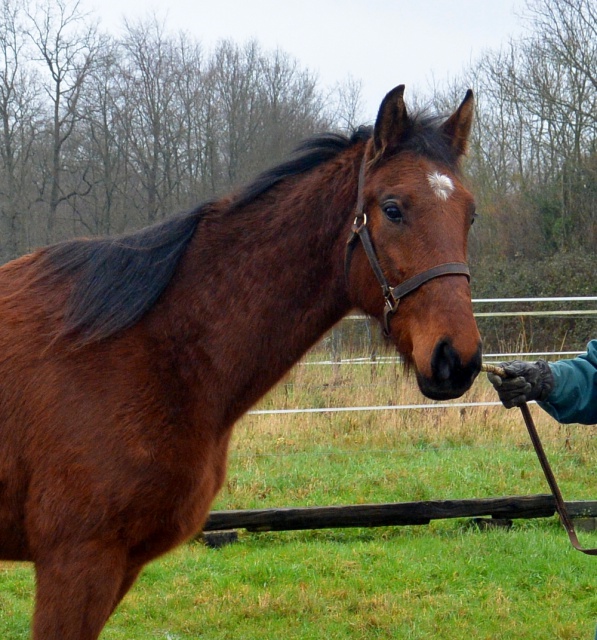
[574, 396]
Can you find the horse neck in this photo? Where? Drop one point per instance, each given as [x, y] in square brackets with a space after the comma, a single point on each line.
[260, 285]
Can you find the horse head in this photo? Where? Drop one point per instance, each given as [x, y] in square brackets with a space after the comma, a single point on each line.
[406, 257]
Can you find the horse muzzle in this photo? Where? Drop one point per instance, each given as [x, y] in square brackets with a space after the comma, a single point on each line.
[450, 376]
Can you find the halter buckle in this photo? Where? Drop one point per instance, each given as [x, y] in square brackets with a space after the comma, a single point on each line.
[388, 313]
[359, 223]
[389, 310]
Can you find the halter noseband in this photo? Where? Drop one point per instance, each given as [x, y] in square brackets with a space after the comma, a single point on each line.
[392, 295]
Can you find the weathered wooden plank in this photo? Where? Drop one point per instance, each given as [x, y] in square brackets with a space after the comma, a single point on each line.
[393, 514]
[582, 509]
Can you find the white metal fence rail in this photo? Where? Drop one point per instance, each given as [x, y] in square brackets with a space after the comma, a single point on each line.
[498, 314]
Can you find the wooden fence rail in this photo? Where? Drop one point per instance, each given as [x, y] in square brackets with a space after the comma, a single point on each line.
[394, 514]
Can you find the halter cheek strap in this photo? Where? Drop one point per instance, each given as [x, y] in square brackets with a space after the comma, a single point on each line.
[392, 295]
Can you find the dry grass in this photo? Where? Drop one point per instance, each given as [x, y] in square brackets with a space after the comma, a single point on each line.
[385, 384]
[393, 454]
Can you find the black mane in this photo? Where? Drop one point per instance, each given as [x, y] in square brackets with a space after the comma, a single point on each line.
[116, 280]
[424, 137]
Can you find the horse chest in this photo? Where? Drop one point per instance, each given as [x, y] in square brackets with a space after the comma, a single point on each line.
[188, 487]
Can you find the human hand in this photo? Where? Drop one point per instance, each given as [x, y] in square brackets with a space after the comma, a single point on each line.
[524, 381]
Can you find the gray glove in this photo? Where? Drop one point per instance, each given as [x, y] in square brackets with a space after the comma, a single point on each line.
[526, 381]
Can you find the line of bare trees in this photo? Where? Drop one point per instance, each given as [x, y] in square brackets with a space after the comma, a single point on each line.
[533, 168]
[100, 134]
[534, 160]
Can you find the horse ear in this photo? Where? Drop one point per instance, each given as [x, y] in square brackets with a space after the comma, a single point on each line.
[392, 121]
[457, 127]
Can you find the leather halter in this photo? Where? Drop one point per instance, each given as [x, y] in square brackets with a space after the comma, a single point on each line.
[392, 295]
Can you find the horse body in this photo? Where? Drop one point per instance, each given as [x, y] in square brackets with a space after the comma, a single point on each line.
[114, 446]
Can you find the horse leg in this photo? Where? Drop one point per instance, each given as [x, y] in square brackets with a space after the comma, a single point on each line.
[77, 590]
[128, 581]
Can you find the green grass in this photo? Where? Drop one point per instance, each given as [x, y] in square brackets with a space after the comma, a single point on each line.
[444, 581]
[408, 473]
[447, 580]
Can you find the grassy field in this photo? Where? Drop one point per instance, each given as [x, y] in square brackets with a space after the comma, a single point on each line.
[446, 580]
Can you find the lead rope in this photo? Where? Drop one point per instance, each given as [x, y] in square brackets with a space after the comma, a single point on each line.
[549, 476]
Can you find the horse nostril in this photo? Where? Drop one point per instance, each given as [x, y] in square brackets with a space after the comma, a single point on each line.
[445, 361]
[450, 378]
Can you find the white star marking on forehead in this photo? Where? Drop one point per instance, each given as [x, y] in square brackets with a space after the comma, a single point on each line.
[440, 184]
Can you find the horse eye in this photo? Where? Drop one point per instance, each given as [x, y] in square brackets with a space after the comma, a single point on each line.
[392, 211]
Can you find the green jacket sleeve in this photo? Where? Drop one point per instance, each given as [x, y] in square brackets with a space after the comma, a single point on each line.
[574, 398]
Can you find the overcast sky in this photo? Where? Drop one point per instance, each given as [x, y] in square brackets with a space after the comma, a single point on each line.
[381, 43]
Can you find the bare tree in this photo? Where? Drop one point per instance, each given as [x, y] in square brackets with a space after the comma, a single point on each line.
[346, 99]
[567, 39]
[19, 121]
[266, 105]
[103, 209]
[66, 48]
[536, 138]
[150, 79]
[189, 179]
[568, 29]
[235, 72]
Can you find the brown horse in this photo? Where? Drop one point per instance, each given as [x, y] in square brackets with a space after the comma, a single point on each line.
[124, 362]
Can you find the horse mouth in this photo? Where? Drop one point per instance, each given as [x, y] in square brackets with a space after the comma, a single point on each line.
[442, 392]
[450, 377]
